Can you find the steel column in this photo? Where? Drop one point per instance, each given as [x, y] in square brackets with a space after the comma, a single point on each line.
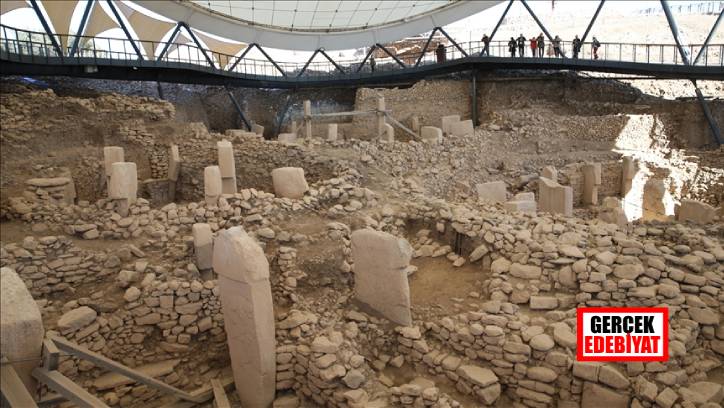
[424, 49]
[708, 38]
[462, 51]
[593, 20]
[238, 109]
[160, 90]
[542, 27]
[46, 27]
[707, 113]
[309, 61]
[330, 60]
[394, 57]
[125, 29]
[81, 27]
[674, 31]
[198, 44]
[362, 64]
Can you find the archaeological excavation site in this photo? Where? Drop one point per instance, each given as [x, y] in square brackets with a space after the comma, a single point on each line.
[368, 204]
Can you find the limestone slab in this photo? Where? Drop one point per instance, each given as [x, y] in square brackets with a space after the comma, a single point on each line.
[289, 182]
[124, 182]
[494, 191]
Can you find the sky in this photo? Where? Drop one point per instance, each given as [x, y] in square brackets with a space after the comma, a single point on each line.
[468, 29]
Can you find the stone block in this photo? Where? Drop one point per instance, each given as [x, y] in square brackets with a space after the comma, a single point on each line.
[290, 138]
[431, 134]
[258, 129]
[493, 192]
[21, 327]
[380, 263]
[226, 158]
[528, 207]
[462, 128]
[111, 154]
[332, 132]
[595, 396]
[591, 182]
[203, 245]
[246, 302]
[447, 122]
[289, 182]
[555, 198]
[124, 182]
[550, 173]
[696, 212]
[389, 133]
[212, 184]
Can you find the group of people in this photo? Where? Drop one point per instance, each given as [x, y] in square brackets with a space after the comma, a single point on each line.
[538, 45]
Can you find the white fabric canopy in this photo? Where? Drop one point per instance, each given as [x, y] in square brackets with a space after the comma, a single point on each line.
[10, 5]
[148, 29]
[99, 21]
[60, 12]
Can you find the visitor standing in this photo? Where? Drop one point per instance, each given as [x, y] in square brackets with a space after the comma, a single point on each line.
[511, 46]
[595, 45]
[440, 53]
[576, 46]
[557, 47]
[521, 46]
[533, 46]
[486, 43]
[541, 45]
[373, 63]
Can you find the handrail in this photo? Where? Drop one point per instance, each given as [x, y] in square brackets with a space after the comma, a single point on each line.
[38, 48]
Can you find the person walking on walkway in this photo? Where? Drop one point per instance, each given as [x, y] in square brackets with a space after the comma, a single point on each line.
[533, 46]
[576, 46]
[440, 53]
[486, 44]
[511, 46]
[521, 46]
[595, 45]
[541, 45]
[373, 63]
[557, 47]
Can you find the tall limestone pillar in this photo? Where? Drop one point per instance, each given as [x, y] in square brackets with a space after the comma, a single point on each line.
[227, 167]
[246, 303]
[123, 187]
[381, 128]
[212, 185]
[591, 182]
[21, 327]
[111, 154]
[308, 119]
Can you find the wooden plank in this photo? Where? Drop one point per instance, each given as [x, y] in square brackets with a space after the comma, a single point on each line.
[401, 126]
[51, 355]
[99, 360]
[14, 393]
[350, 113]
[51, 400]
[67, 388]
[220, 398]
[205, 392]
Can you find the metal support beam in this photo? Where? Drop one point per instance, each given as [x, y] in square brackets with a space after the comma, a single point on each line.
[284, 74]
[160, 90]
[702, 51]
[241, 57]
[125, 29]
[424, 49]
[170, 41]
[46, 27]
[485, 49]
[474, 91]
[362, 64]
[321, 51]
[674, 31]
[593, 20]
[707, 113]
[462, 51]
[238, 109]
[81, 27]
[394, 57]
[309, 61]
[540, 24]
[198, 44]
[281, 115]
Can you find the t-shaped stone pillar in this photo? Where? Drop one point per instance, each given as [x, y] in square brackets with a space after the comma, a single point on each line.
[174, 168]
[554, 198]
[21, 327]
[381, 128]
[332, 132]
[123, 187]
[591, 181]
[380, 273]
[212, 184]
[308, 119]
[246, 303]
[111, 154]
[203, 245]
[227, 167]
[550, 173]
[628, 174]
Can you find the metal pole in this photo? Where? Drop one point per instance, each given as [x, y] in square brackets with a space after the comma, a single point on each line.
[160, 90]
[46, 27]
[243, 54]
[362, 64]
[708, 38]
[707, 113]
[593, 20]
[499, 23]
[674, 31]
[309, 61]
[198, 44]
[542, 27]
[330, 60]
[271, 60]
[81, 27]
[424, 49]
[238, 109]
[462, 51]
[169, 42]
[125, 30]
[402, 64]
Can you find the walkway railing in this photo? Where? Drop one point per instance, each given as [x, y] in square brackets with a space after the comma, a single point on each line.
[36, 47]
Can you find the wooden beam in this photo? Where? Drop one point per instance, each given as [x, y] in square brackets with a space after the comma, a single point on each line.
[401, 126]
[204, 393]
[67, 388]
[220, 399]
[333, 114]
[51, 354]
[51, 400]
[101, 361]
[14, 393]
